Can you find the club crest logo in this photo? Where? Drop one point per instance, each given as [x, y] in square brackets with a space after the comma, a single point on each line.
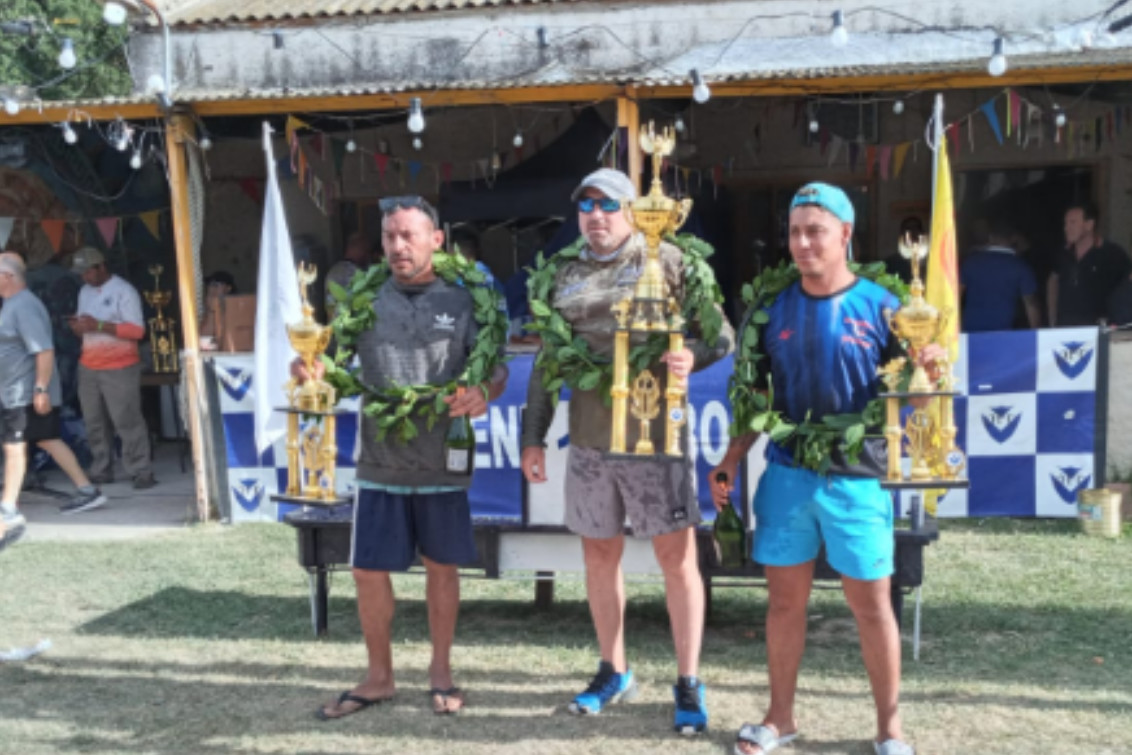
[1073, 358]
[1001, 422]
[444, 321]
[249, 494]
[236, 382]
[1069, 481]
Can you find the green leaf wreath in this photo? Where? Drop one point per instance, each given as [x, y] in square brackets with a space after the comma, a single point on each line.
[396, 407]
[566, 359]
[810, 442]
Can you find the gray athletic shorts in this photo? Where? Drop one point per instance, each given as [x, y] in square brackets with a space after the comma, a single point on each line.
[658, 496]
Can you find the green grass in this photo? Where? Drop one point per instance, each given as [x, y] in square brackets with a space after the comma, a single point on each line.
[200, 642]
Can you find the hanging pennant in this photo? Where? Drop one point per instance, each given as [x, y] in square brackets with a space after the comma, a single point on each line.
[251, 187]
[1016, 115]
[151, 221]
[952, 132]
[414, 170]
[870, 161]
[836, 142]
[108, 229]
[900, 154]
[54, 230]
[992, 119]
[382, 163]
[293, 125]
[884, 156]
[971, 135]
[6, 226]
[318, 145]
[302, 168]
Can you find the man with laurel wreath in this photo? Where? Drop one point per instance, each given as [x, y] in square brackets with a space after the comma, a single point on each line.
[407, 502]
[823, 339]
[657, 496]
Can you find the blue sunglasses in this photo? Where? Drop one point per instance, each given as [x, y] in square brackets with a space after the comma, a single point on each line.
[606, 204]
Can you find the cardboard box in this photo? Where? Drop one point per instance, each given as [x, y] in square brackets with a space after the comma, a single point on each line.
[236, 323]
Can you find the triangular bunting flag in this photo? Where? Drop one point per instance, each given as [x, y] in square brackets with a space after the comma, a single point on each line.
[414, 170]
[302, 168]
[885, 157]
[953, 135]
[108, 229]
[992, 119]
[293, 125]
[835, 150]
[6, 226]
[382, 163]
[318, 145]
[151, 220]
[251, 187]
[901, 153]
[54, 230]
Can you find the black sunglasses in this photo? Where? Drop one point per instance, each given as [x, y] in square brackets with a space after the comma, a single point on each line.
[607, 205]
[390, 205]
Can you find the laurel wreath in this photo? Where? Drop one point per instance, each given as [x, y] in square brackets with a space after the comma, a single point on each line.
[811, 442]
[398, 406]
[566, 358]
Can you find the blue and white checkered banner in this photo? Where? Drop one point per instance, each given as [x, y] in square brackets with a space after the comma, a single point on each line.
[1027, 421]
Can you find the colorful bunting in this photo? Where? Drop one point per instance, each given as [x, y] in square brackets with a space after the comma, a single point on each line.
[901, 152]
[54, 230]
[992, 119]
[151, 220]
[6, 226]
[108, 229]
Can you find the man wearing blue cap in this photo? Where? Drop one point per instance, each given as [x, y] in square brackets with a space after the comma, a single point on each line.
[824, 338]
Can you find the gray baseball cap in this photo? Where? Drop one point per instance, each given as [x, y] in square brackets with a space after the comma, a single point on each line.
[86, 258]
[612, 183]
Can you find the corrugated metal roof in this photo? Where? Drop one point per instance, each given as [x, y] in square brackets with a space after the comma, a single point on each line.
[188, 12]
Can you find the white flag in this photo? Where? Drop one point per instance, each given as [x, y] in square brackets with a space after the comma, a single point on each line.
[277, 302]
[6, 225]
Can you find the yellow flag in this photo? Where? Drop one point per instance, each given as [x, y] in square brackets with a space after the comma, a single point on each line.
[152, 223]
[942, 286]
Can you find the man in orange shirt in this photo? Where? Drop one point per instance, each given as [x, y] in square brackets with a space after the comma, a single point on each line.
[110, 323]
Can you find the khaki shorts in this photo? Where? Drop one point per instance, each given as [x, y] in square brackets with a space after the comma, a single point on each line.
[659, 497]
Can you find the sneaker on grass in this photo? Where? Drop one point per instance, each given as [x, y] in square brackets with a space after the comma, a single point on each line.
[83, 502]
[606, 688]
[691, 707]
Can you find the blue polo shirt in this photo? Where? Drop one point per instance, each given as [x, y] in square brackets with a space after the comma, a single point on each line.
[994, 282]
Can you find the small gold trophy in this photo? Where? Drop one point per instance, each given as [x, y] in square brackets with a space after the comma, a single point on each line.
[162, 338]
[928, 434]
[312, 448]
[650, 309]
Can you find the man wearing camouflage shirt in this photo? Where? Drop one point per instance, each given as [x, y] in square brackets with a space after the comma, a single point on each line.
[658, 496]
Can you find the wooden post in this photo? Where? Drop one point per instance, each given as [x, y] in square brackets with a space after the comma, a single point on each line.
[179, 128]
[629, 118]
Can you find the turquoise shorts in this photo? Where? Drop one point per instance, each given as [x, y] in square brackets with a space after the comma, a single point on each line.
[797, 510]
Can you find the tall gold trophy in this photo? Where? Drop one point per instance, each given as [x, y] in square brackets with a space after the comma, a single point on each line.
[162, 336]
[928, 434]
[651, 308]
[312, 447]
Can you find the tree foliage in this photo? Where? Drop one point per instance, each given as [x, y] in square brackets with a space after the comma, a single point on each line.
[32, 60]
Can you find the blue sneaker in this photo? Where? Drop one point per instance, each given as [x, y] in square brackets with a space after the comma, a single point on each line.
[607, 687]
[691, 708]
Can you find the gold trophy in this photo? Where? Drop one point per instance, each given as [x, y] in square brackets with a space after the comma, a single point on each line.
[311, 447]
[928, 435]
[162, 337]
[650, 309]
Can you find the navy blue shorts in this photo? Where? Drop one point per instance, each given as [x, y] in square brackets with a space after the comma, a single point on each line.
[391, 528]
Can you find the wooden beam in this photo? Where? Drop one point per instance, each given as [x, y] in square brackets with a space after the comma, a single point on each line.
[179, 130]
[629, 118]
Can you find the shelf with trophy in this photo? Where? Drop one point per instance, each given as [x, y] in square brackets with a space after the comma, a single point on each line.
[162, 336]
[312, 446]
[650, 309]
[928, 434]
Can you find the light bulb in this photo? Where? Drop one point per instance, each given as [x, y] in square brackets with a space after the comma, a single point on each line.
[136, 160]
[351, 145]
[11, 106]
[417, 143]
[123, 143]
[678, 124]
[496, 163]
[700, 91]
[518, 140]
[839, 37]
[155, 84]
[1084, 39]
[898, 107]
[114, 14]
[205, 143]
[69, 135]
[67, 54]
[997, 64]
[1059, 119]
[814, 126]
[416, 117]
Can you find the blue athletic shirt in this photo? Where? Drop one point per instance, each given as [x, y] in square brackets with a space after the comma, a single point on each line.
[823, 354]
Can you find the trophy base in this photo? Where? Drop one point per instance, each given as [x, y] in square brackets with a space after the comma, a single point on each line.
[611, 456]
[327, 503]
[313, 413]
[918, 394]
[924, 484]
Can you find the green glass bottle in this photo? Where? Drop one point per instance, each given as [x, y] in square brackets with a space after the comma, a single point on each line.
[729, 535]
[460, 443]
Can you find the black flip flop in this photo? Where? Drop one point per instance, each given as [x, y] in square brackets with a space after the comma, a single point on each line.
[350, 697]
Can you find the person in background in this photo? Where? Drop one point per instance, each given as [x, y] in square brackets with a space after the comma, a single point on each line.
[110, 322]
[467, 242]
[1086, 273]
[993, 282]
[216, 286]
[896, 263]
[357, 257]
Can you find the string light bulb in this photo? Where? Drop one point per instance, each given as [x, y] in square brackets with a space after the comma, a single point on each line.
[11, 106]
[518, 140]
[678, 124]
[898, 107]
[351, 145]
[416, 116]
[700, 91]
[114, 14]
[814, 126]
[996, 66]
[839, 36]
[136, 160]
[496, 163]
[67, 58]
[418, 145]
[69, 135]
[205, 141]
[123, 142]
[1059, 119]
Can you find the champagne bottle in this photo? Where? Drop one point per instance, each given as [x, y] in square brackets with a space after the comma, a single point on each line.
[729, 535]
[460, 442]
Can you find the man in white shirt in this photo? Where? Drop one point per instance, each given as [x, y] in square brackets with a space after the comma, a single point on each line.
[110, 322]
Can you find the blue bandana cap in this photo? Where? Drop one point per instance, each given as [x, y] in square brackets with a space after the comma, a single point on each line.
[828, 198]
